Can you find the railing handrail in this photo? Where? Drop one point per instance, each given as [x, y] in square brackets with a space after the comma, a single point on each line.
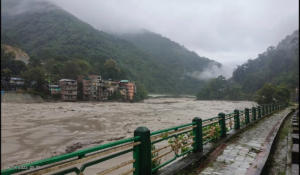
[170, 129]
[69, 155]
[210, 119]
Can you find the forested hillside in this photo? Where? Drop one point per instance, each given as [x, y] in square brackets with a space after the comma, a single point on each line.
[57, 37]
[169, 53]
[277, 66]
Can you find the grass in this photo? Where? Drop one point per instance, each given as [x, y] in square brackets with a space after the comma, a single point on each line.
[250, 156]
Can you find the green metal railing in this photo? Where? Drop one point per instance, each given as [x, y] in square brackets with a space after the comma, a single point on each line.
[173, 135]
[182, 140]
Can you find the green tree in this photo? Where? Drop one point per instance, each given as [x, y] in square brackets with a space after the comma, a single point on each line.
[17, 67]
[58, 68]
[141, 93]
[118, 95]
[265, 95]
[112, 69]
[84, 66]
[71, 70]
[34, 61]
[215, 89]
[282, 94]
[37, 74]
[6, 73]
[46, 54]
[6, 58]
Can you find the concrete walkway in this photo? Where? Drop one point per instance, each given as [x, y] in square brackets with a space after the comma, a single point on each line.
[246, 154]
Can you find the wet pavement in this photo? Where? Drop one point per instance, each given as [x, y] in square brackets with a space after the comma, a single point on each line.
[248, 153]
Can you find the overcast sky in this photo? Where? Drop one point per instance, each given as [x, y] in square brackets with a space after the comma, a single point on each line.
[228, 31]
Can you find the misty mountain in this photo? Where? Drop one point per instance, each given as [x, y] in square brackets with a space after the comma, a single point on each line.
[169, 53]
[278, 66]
[45, 30]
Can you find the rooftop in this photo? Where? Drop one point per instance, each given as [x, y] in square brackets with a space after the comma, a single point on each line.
[66, 80]
[53, 85]
[14, 78]
[124, 81]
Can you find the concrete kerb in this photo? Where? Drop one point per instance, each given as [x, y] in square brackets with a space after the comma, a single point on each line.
[289, 150]
[195, 159]
[270, 146]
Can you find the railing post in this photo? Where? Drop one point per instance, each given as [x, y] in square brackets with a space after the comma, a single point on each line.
[247, 115]
[279, 105]
[253, 113]
[223, 124]
[270, 109]
[273, 107]
[237, 119]
[136, 157]
[197, 132]
[144, 152]
[258, 112]
[267, 109]
[263, 110]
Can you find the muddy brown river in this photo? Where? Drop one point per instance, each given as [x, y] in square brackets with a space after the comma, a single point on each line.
[31, 132]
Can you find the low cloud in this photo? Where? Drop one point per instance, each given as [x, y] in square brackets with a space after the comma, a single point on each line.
[213, 71]
[14, 7]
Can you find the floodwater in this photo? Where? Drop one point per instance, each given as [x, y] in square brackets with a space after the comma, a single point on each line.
[31, 132]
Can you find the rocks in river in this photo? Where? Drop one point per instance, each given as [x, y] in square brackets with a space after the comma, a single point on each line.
[116, 138]
[96, 141]
[74, 146]
[80, 144]
[58, 152]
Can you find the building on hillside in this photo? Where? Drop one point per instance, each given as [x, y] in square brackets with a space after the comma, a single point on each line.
[17, 81]
[112, 86]
[94, 88]
[54, 89]
[127, 89]
[102, 94]
[68, 89]
[88, 87]
[86, 82]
